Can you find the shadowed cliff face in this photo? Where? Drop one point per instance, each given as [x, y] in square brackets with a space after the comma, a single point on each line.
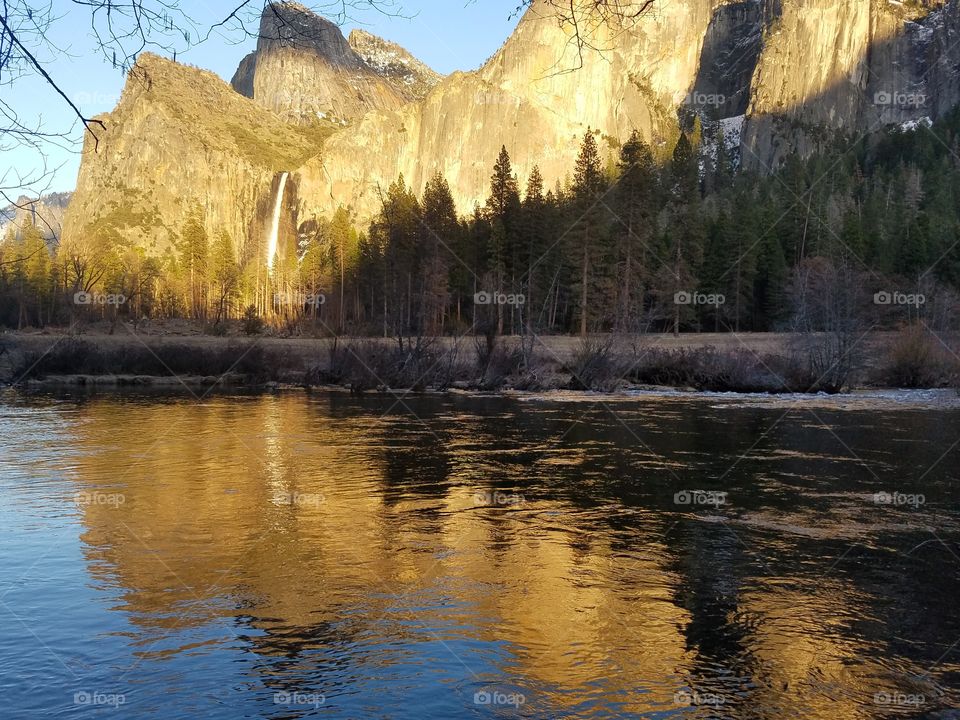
[305, 69]
[729, 57]
[861, 66]
[791, 74]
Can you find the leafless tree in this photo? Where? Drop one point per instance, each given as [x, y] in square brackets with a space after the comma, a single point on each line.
[829, 320]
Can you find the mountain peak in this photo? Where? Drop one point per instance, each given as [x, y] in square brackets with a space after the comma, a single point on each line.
[290, 25]
[305, 69]
[394, 63]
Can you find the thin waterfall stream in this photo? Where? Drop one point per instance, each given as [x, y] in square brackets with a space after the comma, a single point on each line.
[275, 224]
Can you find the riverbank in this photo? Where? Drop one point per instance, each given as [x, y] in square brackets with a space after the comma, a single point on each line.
[747, 363]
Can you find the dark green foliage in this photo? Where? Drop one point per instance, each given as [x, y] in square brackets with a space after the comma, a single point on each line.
[608, 249]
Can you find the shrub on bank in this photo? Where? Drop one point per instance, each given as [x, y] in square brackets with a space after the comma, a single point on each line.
[373, 364]
[710, 369]
[73, 356]
[916, 358]
[599, 364]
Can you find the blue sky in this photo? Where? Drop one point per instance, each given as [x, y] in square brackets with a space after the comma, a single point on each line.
[448, 35]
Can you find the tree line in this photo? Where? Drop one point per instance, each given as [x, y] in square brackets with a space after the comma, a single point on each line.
[631, 242]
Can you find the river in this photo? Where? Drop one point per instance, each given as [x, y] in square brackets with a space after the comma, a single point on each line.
[321, 555]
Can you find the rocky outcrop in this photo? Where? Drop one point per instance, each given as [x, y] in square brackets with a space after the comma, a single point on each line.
[181, 136]
[304, 69]
[537, 95]
[44, 212]
[410, 77]
[780, 75]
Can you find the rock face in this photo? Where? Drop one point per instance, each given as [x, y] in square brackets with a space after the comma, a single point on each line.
[537, 95]
[776, 75]
[410, 77]
[848, 66]
[305, 69]
[45, 212]
[181, 137]
[780, 75]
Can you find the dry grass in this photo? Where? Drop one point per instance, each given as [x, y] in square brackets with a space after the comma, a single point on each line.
[743, 362]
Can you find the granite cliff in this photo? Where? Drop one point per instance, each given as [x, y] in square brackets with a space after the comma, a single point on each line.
[345, 117]
[305, 69]
[181, 137]
[44, 212]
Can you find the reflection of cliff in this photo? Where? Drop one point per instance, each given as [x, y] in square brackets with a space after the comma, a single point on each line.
[330, 524]
[336, 529]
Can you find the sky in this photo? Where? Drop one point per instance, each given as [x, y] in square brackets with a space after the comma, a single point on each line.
[447, 35]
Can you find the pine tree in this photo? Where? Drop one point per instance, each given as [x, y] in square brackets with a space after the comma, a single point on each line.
[441, 229]
[587, 241]
[343, 249]
[397, 228]
[685, 236]
[194, 252]
[635, 209]
[535, 230]
[38, 272]
[224, 273]
[503, 211]
[770, 284]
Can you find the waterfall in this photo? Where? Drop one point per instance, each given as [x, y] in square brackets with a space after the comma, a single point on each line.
[275, 225]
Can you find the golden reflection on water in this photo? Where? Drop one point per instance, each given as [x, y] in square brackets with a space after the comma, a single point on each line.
[318, 528]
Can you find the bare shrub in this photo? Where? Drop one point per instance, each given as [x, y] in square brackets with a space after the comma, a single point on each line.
[363, 365]
[829, 321]
[716, 370]
[598, 363]
[495, 362]
[670, 368]
[917, 359]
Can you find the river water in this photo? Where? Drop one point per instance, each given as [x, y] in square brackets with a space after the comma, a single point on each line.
[297, 555]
